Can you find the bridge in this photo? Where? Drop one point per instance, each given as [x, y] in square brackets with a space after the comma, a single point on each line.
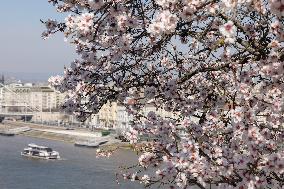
[22, 116]
[14, 106]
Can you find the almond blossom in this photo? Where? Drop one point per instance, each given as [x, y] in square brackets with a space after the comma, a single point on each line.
[85, 23]
[228, 30]
[165, 22]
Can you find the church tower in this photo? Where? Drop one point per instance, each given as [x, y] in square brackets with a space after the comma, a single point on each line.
[2, 80]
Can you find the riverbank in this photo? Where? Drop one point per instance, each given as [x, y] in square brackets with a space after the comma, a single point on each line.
[61, 134]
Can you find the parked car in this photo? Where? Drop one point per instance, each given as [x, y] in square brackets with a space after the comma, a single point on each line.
[121, 138]
[69, 128]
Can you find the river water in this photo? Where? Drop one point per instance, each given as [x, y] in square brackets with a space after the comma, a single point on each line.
[80, 169]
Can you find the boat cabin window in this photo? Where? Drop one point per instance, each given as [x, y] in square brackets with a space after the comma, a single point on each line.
[34, 147]
[48, 149]
[35, 153]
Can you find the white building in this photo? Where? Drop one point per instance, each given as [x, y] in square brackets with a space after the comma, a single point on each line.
[124, 119]
[35, 98]
[1, 97]
[123, 122]
[45, 99]
[15, 97]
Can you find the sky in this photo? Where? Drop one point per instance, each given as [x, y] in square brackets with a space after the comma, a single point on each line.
[22, 50]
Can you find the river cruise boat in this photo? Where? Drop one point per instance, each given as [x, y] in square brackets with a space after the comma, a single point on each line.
[40, 152]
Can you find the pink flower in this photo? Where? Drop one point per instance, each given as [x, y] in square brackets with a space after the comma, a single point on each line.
[165, 22]
[228, 30]
[237, 114]
[85, 22]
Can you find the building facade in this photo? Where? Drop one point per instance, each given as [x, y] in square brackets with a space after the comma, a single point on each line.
[16, 96]
[124, 119]
[115, 116]
[45, 99]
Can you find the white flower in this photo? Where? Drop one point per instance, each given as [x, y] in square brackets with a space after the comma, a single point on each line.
[55, 80]
[145, 179]
[213, 8]
[132, 135]
[160, 173]
[229, 4]
[237, 114]
[156, 28]
[228, 30]
[85, 22]
[70, 22]
[165, 22]
[181, 180]
[133, 176]
[166, 62]
[146, 158]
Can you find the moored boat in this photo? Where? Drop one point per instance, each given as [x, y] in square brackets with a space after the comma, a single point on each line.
[90, 143]
[86, 144]
[7, 133]
[41, 152]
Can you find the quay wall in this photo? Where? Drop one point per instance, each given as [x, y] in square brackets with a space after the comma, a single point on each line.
[51, 117]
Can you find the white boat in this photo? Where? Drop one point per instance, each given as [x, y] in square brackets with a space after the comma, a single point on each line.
[86, 144]
[7, 133]
[90, 143]
[41, 152]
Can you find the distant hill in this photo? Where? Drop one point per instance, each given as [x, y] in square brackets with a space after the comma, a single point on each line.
[32, 77]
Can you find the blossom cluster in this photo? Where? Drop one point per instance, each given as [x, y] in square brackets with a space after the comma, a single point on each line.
[216, 67]
[165, 22]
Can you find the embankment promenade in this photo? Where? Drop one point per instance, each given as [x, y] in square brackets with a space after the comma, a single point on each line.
[60, 134]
